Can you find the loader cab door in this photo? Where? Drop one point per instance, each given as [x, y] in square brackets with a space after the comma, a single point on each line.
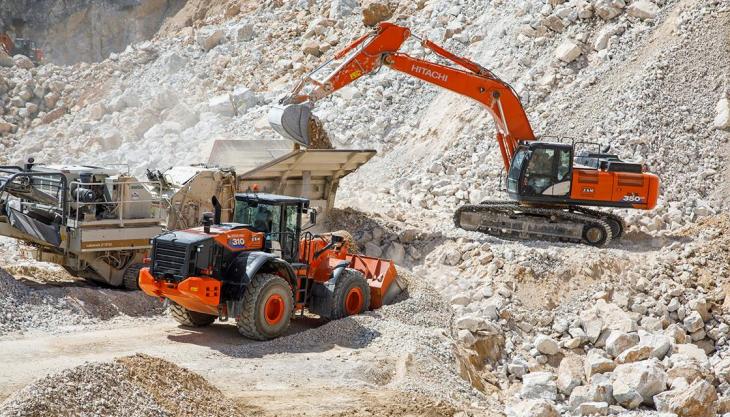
[291, 227]
[541, 171]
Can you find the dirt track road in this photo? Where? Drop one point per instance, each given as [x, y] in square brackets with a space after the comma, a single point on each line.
[282, 383]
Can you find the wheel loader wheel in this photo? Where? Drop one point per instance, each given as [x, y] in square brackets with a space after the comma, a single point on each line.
[351, 295]
[130, 280]
[266, 308]
[190, 318]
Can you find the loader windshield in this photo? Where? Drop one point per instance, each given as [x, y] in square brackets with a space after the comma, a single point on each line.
[263, 217]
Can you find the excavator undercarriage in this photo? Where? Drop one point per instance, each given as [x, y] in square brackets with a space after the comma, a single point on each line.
[509, 219]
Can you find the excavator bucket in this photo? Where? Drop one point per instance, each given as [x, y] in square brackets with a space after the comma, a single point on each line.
[292, 121]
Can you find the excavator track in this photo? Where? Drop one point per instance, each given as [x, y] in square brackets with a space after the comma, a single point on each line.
[508, 219]
[617, 223]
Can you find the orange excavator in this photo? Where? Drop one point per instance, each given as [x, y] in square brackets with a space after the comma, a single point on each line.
[550, 185]
[21, 46]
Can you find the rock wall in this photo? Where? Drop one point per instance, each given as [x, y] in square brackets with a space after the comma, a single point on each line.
[85, 30]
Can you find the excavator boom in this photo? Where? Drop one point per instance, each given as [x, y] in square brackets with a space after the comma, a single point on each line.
[381, 48]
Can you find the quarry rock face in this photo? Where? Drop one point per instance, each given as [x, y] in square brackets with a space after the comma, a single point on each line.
[86, 30]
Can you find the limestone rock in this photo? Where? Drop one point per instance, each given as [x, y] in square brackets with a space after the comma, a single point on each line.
[618, 341]
[546, 345]
[596, 363]
[593, 409]
[636, 383]
[22, 61]
[722, 370]
[697, 400]
[533, 408]
[209, 39]
[221, 105]
[722, 118]
[311, 47]
[634, 354]
[693, 322]
[375, 11]
[536, 385]
[570, 373]
[6, 127]
[596, 392]
[342, 8]
[568, 51]
[660, 343]
[97, 111]
[608, 9]
[643, 9]
[244, 98]
[53, 115]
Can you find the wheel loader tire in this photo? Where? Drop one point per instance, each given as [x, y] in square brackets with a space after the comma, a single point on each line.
[130, 280]
[351, 295]
[266, 308]
[190, 318]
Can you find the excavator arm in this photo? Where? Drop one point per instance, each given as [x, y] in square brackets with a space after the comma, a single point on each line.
[381, 48]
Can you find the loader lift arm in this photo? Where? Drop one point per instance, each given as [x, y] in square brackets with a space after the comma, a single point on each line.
[472, 80]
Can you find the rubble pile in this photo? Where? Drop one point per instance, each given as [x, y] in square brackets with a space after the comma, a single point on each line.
[138, 385]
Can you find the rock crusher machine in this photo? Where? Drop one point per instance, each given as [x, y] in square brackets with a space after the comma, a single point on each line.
[262, 268]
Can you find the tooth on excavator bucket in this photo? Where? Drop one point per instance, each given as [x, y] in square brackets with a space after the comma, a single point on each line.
[292, 122]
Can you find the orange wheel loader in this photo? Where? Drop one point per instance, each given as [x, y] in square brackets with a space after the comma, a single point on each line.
[260, 269]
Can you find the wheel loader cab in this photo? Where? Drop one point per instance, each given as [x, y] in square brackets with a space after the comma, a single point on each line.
[540, 171]
[278, 217]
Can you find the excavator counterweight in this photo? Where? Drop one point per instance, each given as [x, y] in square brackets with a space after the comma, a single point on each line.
[550, 184]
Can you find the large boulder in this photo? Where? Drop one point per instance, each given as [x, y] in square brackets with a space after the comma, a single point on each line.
[608, 9]
[342, 8]
[375, 11]
[568, 51]
[697, 400]
[539, 385]
[546, 345]
[638, 382]
[605, 316]
[22, 61]
[634, 354]
[222, 105]
[598, 391]
[209, 38]
[597, 363]
[618, 342]
[570, 373]
[643, 9]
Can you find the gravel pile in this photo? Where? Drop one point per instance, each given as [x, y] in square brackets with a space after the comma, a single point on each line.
[137, 385]
[56, 304]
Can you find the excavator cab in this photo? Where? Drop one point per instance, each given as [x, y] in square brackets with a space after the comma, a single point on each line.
[540, 171]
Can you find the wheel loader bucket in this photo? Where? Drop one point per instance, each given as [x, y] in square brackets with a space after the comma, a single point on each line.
[382, 278]
[292, 122]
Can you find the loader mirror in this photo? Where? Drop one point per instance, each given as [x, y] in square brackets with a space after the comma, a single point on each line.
[313, 217]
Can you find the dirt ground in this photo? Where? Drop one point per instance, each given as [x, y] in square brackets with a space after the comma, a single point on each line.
[282, 383]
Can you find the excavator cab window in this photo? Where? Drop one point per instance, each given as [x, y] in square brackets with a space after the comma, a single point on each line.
[541, 170]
